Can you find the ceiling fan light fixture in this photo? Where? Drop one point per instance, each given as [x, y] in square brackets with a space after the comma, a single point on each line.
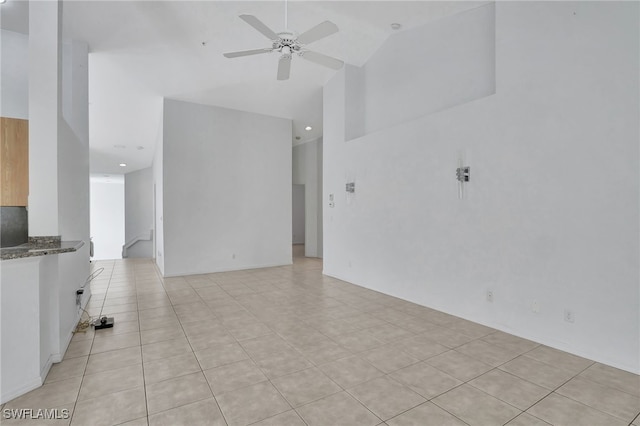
[396, 26]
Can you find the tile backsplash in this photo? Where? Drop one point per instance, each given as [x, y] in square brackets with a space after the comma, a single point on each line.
[14, 226]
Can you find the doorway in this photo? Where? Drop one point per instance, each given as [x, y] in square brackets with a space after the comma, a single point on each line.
[107, 215]
[298, 219]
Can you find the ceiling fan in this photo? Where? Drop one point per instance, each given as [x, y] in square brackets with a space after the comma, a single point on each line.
[289, 43]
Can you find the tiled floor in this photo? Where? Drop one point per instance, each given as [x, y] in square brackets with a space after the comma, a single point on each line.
[287, 346]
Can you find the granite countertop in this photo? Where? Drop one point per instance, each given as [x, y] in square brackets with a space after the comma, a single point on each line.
[32, 249]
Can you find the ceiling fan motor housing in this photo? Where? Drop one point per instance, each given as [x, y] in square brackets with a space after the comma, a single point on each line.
[287, 41]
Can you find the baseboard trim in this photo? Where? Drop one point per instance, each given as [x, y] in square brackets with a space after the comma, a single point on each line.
[231, 269]
[14, 393]
[47, 366]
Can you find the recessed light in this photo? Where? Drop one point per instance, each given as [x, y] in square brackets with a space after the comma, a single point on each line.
[123, 164]
[396, 26]
[308, 128]
[139, 147]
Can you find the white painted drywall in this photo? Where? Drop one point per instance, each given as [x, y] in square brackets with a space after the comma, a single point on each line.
[319, 205]
[406, 79]
[73, 186]
[297, 213]
[307, 169]
[158, 183]
[355, 102]
[551, 212]
[227, 189]
[58, 164]
[59, 194]
[14, 75]
[138, 206]
[19, 327]
[44, 110]
[49, 291]
[107, 217]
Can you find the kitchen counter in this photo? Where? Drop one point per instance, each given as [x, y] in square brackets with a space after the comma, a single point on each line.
[32, 249]
[38, 309]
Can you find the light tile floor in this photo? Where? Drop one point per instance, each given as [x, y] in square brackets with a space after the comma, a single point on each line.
[288, 346]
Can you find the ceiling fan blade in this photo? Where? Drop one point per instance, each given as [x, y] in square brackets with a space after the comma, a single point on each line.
[284, 67]
[247, 53]
[321, 30]
[322, 59]
[260, 26]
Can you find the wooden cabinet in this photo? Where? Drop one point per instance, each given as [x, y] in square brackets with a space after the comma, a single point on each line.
[14, 162]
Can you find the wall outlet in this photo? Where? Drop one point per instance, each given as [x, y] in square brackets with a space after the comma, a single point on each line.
[489, 296]
[535, 307]
[569, 316]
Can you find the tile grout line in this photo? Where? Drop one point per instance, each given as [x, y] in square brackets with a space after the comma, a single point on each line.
[497, 398]
[290, 281]
[144, 382]
[317, 367]
[294, 372]
[275, 387]
[256, 364]
[75, 404]
[193, 351]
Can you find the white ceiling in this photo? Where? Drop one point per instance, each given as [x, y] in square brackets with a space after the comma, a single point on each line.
[142, 51]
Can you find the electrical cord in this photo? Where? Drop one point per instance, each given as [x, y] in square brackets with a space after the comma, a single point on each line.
[84, 324]
[92, 277]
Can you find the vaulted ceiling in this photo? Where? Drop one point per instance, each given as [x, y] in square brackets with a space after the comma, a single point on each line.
[142, 51]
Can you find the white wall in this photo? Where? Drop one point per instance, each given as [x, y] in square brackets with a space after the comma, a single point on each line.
[319, 225]
[73, 184]
[107, 216]
[58, 166]
[56, 99]
[14, 75]
[551, 212]
[45, 84]
[394, 87]
[158, 208]
[138, 206]
[20, 351]
[307, 169]
[227, 189]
